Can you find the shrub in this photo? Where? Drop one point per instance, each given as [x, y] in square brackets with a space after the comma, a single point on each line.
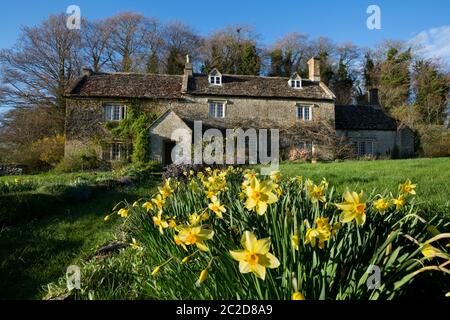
[296, 154]
[85, 159]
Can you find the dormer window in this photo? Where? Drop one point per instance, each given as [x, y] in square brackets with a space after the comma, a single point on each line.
[295, 81]
[215, 77]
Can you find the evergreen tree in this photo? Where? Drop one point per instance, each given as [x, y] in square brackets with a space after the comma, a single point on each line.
[175, 63]
[276, 63]
[250, 61]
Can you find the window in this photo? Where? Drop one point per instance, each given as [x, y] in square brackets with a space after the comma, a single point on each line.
[217, 80]
[115, 151]
[115, 112]
[216, 110]
[296, 84]
[363, 147]
[304, 113]
[307, 145]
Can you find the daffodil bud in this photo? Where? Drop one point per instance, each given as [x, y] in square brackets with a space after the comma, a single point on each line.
[156, 270]
[185, 259]
[297, 295]
[107, 218]
[203, 276]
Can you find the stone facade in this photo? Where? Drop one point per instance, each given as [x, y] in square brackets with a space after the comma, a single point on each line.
[248, 102]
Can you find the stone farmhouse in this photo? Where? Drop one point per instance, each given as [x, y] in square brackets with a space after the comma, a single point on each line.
[224, 101]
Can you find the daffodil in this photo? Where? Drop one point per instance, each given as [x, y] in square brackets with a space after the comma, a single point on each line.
[399, 202]
[275, 176]
[216, 207]
[430, 252]
[172, 223]
[180, 243]
[295, 241]
[147, 205]
[106, 218]
[134, 244]
[210, 194]
[259, 195]
[381, 205]
[354, 208]
[297, 295]
[135, 204]
[166, 190]
[255, 257]
[159, 201]
[123, 213]
[316, 193]
[319, 235]
[202, 277]
[408, 188]
[196, 235]
[160, 223]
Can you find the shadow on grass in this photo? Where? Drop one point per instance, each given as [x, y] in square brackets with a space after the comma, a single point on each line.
[35, 253]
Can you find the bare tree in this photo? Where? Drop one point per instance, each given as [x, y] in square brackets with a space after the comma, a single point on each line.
[95, 37]
[41, 66]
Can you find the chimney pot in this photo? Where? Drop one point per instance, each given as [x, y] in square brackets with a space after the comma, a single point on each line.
[314, 69]
[86, 71]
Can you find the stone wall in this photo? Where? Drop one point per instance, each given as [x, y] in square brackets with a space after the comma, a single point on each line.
[85, 118]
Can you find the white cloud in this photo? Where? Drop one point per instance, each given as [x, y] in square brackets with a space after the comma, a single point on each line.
[434, 43]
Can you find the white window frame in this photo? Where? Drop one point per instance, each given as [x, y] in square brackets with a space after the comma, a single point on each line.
[110, 111]
[302, 115]
[365, 145]
[214, 113]
[295, 83]
[215, 80]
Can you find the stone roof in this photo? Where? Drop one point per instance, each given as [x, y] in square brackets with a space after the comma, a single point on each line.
[351, 117]
[156, 86]
[127, 85]
[255, 86]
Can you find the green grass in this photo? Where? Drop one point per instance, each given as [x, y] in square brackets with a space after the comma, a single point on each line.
[37, 252]
[431, 175]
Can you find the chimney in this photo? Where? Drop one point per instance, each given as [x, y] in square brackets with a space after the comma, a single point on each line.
[188, 73]
[86, 71]
[314, 69]
[372, 98]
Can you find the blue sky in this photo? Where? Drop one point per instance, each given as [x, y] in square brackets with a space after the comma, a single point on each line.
[341, 21]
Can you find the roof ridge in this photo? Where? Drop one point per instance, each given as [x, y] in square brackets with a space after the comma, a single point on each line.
[138, 73]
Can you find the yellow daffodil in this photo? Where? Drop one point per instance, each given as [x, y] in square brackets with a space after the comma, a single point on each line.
[180, 243]
[123, 213]
[196, 219]
[196, 235]
[210, 194]
[147, 206]
[399, 202]
[202, 277]
[185, 259]
[255, 257]
[381, 205]
[194, 186]
[160, 223]
[216, 207]
[134, 244]
[172, 223]
[430, 252]
[166, 190]
[159, 201]
[297, 295]
[319, 235]
[259, 195]
[295, 241]
[316, 193]
[275, 176]
[354, 208]
[408, 188]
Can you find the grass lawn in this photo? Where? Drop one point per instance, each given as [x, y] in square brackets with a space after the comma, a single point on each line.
[37, 252]
[431, 175]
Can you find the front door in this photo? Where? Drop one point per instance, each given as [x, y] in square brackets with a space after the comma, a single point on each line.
[168, 146]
